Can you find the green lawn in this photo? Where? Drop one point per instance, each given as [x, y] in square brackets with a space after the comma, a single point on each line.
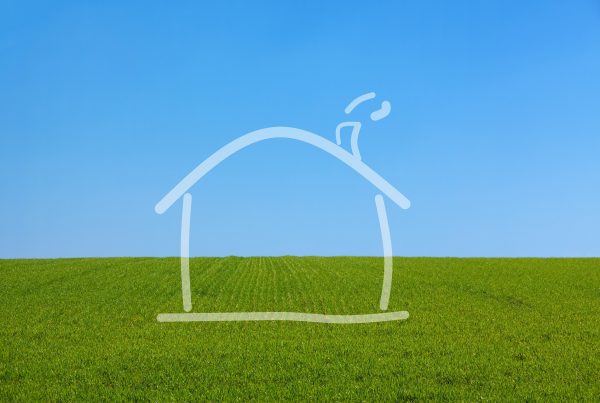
[490, 329]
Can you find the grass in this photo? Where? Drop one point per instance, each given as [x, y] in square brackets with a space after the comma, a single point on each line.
[490, 329]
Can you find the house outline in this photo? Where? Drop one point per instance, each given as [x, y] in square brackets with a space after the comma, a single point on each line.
[180, 191]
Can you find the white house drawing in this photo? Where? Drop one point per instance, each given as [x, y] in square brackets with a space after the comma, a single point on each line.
[352, 160]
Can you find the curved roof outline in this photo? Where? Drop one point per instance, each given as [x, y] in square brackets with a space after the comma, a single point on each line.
[283, 133]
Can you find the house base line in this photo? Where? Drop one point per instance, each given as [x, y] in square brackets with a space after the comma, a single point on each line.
[281, 316]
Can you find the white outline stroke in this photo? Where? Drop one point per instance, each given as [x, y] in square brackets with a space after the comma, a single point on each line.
[386, 289]
[352, 160]
[291, 316]
[282, 133]
[185, 252]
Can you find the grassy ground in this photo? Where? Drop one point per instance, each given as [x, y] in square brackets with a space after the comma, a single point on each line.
[499, 329]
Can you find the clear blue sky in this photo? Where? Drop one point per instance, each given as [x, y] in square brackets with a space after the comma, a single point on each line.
[494, 133]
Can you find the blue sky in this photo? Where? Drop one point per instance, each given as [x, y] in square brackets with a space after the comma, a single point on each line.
[494, 133]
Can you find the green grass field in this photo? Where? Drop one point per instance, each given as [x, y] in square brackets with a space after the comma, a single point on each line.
[479, 329]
